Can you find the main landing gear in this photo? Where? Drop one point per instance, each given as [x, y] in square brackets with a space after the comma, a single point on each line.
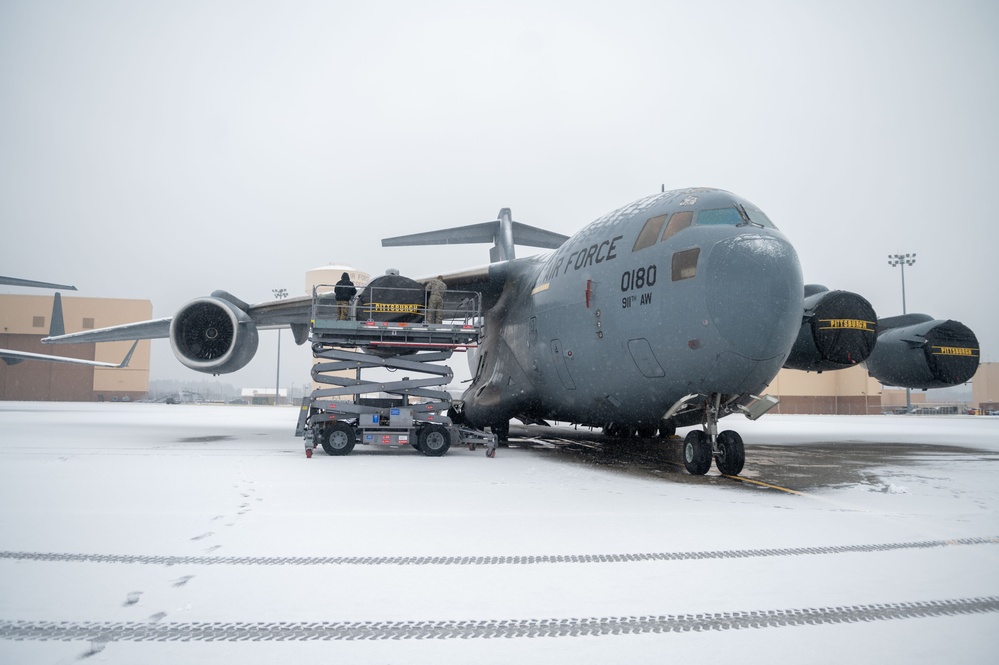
[700, 446]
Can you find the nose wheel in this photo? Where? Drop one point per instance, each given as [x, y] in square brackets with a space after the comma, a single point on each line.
[700, 446]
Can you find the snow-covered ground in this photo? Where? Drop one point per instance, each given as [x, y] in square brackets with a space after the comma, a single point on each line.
[136, 533]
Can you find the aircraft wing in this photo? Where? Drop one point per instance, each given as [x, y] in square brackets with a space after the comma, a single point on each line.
[12, 357]
[488, 281]
[290, 312]
[481, 279]
[156, 329]
[281, 313]
[17, 281]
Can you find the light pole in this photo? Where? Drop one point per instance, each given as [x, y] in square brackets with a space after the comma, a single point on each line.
[280, 294]
[903, 260]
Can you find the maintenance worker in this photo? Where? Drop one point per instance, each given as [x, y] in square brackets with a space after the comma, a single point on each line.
[435, 304]
[345, 292]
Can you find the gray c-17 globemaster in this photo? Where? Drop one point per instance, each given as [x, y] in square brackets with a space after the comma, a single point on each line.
[675, 310]
[56, 327]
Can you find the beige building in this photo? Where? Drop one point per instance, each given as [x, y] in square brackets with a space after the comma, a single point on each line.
[853, 391]
[843, 392]
[25, 320]
[985, 387]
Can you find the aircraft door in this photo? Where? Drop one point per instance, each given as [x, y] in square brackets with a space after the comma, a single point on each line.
[641, 353]
[558, 356]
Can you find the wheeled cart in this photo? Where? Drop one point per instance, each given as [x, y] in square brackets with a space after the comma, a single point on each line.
[358, 410]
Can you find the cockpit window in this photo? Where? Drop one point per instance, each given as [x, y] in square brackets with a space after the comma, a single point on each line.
[720, 216]
[733, 216]
[678, 221]
[649, 233]
[759, 218]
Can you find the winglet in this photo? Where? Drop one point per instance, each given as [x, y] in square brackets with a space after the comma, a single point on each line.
[128, 356]
[57, 326]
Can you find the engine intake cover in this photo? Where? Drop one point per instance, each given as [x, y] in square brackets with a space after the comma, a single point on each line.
[931, 354]
[840, 330]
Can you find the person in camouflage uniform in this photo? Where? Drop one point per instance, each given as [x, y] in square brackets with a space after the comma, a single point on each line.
[435, 303]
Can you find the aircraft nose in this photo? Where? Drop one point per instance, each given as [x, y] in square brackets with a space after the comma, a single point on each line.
[754, 294]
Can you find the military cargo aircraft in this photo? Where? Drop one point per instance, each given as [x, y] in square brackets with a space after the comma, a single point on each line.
[56, 327]
[675, 310]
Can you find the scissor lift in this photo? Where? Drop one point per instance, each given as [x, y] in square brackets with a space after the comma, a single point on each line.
[411, 410]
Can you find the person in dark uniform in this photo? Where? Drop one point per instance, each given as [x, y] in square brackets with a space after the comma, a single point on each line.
[344, 291]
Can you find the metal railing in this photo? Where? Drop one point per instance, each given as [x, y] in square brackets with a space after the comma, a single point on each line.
[393, 303]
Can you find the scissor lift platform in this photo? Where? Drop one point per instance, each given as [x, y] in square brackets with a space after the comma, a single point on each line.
[413, 410]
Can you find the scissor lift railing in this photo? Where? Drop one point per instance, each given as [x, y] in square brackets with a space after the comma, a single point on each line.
[345, 349]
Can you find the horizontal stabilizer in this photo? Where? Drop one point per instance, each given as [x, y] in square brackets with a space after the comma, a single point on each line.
[529, 236]
[532, 236]
[459, 235]
[504, 233]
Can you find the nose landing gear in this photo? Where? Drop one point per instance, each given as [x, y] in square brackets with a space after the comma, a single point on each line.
[700, 446]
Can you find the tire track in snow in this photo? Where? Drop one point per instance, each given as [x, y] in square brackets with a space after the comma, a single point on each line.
[525, 559]
[100, 633]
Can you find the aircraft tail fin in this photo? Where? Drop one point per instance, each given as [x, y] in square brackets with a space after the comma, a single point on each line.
[57, 326]
[504, 233]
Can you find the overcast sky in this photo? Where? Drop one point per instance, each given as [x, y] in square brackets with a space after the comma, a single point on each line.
[162, 150]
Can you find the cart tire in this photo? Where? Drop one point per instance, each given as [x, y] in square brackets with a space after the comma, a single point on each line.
[434, 440]
[308, 453]
[338, 438]
[490, 452]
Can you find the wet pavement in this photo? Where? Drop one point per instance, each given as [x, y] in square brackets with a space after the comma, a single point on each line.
[803, 467]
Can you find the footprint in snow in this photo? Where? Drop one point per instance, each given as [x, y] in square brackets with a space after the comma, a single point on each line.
[204, 535]
[183, 580]
[132, 598]
[95, 648]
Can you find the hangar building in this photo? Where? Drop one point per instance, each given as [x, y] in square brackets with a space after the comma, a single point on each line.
[25, 319]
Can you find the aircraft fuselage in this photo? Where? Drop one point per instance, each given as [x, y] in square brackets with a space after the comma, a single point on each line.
[691, 291]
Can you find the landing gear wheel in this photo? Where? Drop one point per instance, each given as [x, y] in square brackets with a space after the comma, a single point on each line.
[696, 453]
[434, 440]
[619, 431]
[457, 417]
[731, 453]
[338, 438]
[502, 432]
[647, 431]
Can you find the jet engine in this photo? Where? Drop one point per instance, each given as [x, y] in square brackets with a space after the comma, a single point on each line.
[916, 351]
[839, 329]
[214, 334]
